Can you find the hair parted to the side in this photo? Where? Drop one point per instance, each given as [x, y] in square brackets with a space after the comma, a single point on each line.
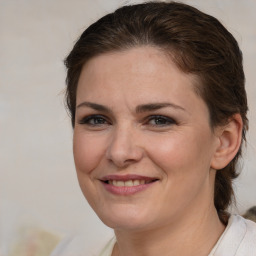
[198, 43]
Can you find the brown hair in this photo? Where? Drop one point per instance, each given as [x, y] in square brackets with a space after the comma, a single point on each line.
[198, 43]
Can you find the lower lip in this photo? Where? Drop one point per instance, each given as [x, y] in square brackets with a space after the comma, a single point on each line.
[126, 191]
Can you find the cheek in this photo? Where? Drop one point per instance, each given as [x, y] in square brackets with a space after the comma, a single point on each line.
[88, 151]
[181, 153]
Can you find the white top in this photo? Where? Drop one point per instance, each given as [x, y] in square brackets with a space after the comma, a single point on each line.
[107, 250]
[238, 239]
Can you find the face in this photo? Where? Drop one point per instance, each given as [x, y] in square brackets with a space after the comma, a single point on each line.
[143, 146]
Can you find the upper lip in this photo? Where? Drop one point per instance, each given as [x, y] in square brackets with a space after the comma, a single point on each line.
[127, 177]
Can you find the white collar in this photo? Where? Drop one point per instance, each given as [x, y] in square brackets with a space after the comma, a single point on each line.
[237, 239]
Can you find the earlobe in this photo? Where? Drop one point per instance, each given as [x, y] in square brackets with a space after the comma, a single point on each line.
[229, 137]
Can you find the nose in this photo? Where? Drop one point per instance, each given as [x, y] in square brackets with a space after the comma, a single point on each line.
[123, 148]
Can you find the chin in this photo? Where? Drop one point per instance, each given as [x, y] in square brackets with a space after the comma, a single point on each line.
[125, 219]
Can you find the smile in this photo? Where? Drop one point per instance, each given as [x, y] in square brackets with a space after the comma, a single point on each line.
[127, 185]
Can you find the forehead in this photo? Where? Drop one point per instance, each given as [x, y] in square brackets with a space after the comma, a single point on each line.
[141, 61]
[142, 71]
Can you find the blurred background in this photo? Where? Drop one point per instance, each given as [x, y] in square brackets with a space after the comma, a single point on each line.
[40, 200]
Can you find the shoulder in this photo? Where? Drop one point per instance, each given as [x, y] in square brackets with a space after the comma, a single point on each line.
[248, 241]
[238, 239]
[244, 226]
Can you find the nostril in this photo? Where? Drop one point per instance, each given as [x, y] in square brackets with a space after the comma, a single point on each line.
[123, 151]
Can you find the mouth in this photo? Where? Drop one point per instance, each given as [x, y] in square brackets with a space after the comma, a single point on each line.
[128, 184]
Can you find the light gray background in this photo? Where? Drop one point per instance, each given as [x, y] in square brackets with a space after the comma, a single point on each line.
[38, 183]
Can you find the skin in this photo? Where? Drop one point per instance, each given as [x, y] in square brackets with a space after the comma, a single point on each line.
[179, 148]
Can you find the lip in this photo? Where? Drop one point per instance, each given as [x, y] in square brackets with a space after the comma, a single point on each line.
[125, 190]
[127, 177]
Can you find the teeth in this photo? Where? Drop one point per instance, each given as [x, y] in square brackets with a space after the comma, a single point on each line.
[128, 183]
[136, 182]
[118, 183]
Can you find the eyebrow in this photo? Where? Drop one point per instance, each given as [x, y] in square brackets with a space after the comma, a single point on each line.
[156, 106]
[139, 109]
[95, 106]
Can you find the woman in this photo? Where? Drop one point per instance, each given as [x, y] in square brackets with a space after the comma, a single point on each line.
[158, 106]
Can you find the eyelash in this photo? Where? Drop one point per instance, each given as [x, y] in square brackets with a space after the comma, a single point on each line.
[102, 120]
[168, 121]
[86, 120]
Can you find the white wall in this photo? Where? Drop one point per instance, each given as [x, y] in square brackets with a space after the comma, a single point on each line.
[37, 177]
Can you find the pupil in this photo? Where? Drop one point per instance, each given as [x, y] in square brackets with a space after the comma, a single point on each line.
[160, 121]
[99, 121]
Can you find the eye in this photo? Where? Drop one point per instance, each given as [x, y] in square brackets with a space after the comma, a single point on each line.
[159, 120]
[94, 120]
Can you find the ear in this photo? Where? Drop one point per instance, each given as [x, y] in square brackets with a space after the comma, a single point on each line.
[229, 141]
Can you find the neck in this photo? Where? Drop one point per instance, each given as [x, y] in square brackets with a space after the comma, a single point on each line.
[181, 237]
